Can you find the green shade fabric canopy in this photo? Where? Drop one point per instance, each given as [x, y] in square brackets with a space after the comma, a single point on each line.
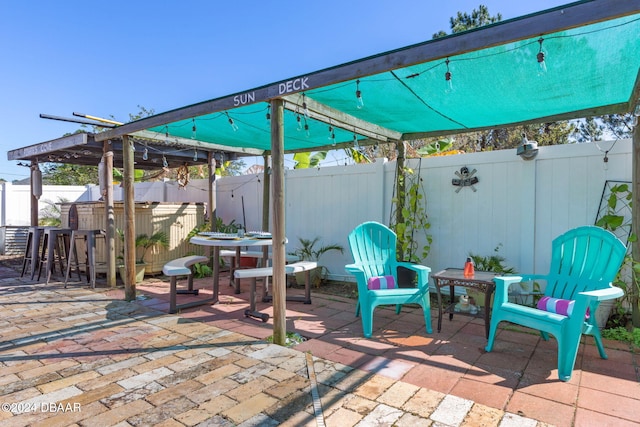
[592, 68]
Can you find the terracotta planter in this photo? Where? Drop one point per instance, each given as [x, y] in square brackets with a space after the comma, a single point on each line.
[248, 262]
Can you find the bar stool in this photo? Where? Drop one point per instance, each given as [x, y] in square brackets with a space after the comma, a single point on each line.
[55, 246]
[89, 239]
[31, 250]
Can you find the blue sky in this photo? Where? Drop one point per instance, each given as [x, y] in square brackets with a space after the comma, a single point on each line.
[106, 58]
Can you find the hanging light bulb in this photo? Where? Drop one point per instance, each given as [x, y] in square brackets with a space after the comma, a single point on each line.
[355, 142]
[193, 129]
[145, 154]
[231, 122]
[447, 78]
[306, 128]
[332, 136]
[268, 113]
[305, 110]
[299, 120]
[165, 164]
[195, 155]
[636, 114]
[359, 101]
[542, 65]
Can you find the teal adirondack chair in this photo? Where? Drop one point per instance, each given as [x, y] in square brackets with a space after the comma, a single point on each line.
[584, 262]
[373, 246]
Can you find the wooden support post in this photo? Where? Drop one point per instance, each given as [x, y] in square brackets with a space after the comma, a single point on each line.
[36, 187]
[278, 233]
[109, 215]
[212, 190]
[635, 226]
[266, 189]
[129, 221]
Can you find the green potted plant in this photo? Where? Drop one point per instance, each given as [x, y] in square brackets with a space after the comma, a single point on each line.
[309, 252]
[493, 263]
[143, 243]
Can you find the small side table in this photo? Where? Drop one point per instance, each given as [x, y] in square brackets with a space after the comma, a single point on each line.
[481, 281]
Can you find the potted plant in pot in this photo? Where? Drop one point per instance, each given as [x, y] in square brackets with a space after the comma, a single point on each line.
[308, 252]
[143, 243]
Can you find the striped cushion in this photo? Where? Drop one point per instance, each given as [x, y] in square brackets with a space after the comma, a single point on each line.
[558, 306]
[381, 282]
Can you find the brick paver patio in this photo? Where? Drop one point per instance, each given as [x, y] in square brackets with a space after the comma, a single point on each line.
[80, 357]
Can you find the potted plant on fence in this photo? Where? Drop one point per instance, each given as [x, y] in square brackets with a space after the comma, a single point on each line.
[143, 243]
[308, 252]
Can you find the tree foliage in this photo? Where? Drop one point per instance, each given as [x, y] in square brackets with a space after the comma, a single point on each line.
[464, 21]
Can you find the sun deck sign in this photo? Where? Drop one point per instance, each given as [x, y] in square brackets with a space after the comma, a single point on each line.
[295, 85]
[290, 86]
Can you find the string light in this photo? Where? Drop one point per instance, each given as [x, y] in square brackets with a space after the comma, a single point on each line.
[447, 78]
[359, 101]
[165, 164]
[193, 129]
[636, 114]
[195, 154]
[299, 120]
[231, 122]
[145, 154]
[542, 66]
[355, 142]
[305, 110]
[306, 128]
[332, 136]
[268, 113]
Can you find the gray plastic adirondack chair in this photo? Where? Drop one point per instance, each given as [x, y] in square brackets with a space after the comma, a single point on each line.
[584, 262]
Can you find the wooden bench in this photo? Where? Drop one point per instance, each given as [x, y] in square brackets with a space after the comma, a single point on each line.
[183, 267]
[265, 272]
[232, 254]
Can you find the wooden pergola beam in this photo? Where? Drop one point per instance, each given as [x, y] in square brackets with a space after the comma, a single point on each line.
[337, 118]
[194, 143]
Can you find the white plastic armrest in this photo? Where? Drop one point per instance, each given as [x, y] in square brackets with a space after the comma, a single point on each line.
[604, 294]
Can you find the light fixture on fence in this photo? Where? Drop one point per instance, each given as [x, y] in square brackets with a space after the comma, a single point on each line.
[527, 149]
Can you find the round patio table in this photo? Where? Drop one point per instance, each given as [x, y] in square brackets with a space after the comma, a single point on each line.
[220, 240]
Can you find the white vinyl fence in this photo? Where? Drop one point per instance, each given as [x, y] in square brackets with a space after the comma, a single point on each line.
[518, 207]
